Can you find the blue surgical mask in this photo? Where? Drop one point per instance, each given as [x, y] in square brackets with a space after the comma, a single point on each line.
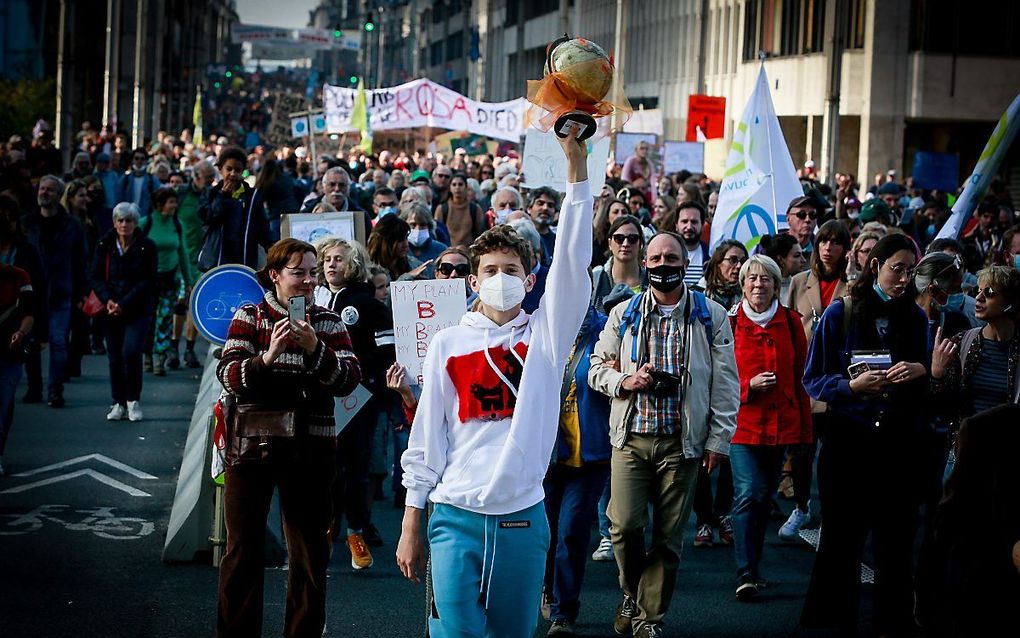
[387, 210]
[930, 232]
[881, 293]
[955, 301]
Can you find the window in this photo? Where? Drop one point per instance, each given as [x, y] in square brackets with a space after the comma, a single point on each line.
[942, 26]
[436, 54]
[783, 27]
[455, 46]
[853, 37]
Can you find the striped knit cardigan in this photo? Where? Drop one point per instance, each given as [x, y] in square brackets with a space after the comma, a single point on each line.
[297, 381]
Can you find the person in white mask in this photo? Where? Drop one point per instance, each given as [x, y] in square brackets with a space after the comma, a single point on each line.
[421, 240]
[486, 424]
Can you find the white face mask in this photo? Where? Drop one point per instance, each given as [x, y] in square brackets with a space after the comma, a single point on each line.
[418, 236]
[502, 292]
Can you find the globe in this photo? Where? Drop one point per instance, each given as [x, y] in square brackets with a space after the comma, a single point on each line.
[584, 67]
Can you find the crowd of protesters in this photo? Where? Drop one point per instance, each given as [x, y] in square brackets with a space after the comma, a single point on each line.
[704, 378]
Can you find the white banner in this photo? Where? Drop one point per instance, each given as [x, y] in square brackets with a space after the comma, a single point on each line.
[545, 165]
[760, 180]
[679, 156]
[987, 167]
[257, 33]
[420, 310]
[422, 103]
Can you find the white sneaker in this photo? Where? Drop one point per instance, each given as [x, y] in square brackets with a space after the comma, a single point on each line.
[117, 413]
[790, 531]
[604, 552]
[134, 411]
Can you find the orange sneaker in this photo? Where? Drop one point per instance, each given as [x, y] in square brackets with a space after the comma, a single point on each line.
[361, 558]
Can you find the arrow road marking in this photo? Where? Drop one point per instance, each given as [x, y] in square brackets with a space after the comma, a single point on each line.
[99, 476]
[98, 457]
[813, 536]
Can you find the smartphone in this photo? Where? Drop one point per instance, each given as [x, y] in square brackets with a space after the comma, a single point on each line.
[297, 309]
[857, 369]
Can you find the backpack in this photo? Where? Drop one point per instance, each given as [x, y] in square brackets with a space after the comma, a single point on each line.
[632, 319]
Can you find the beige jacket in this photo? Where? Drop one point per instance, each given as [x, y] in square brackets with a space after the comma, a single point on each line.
[711, 389]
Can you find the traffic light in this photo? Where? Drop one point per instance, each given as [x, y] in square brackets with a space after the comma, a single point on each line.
[216, 85]
[229, 74]
[370, 23]
[354, 79]
[337, 34]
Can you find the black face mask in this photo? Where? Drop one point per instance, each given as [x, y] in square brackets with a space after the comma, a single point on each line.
[666, 278]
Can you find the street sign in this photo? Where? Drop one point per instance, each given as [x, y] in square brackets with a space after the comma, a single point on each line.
[707, 113]
[298, 126]
[217, 296]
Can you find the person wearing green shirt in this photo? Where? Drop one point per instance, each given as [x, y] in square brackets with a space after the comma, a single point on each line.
[188, 200]
[175, 273]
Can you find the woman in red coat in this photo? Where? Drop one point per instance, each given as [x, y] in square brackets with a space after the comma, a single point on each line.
[775, 411]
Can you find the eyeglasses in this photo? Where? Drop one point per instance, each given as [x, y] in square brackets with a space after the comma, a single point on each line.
[901, 270]
[486, 173]
[736, 261]
[987, 292]
[449, 269]
[620, 238]
[802, 215]
[444, 176]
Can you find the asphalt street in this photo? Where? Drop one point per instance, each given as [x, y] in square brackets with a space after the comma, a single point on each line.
[81, 543]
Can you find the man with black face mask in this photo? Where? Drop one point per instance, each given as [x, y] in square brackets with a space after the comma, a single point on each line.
[666, 360]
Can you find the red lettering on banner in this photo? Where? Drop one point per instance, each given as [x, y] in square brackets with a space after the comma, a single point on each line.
[400, 110]
[461, 105]
[424, 102]
[422, 348]
[426, 310]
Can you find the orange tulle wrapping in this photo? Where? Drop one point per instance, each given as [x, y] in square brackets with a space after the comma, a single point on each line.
[576, 89]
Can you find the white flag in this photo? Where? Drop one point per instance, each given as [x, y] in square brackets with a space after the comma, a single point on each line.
[760, 180]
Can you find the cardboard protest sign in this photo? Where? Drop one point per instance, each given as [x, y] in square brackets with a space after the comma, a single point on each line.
[312, 227]
[627, 142]
[679, 156]
[545, 165]
[347, 407]
[420, 310]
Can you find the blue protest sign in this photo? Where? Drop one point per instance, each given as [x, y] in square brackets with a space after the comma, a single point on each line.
[936, 171]
[217, 296]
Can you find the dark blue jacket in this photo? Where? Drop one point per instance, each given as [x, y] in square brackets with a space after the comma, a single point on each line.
[530, 303]
[592, 406]
[825, 373]
[60, 242]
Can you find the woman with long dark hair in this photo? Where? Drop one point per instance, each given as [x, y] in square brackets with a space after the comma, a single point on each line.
[608, 210]
[721, 281]
[866, 467]
[388, 247]
[785, 250]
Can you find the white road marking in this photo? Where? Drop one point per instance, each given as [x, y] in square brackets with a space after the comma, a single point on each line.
[99, 476]
[88, 457]
[811, 537]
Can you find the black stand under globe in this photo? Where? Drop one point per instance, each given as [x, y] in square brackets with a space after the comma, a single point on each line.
[585, 122]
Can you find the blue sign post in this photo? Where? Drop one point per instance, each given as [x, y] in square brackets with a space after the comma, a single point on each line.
[217, 296]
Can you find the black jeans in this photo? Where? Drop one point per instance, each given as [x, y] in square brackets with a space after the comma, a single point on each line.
[867, 482]
[351, 495]
[125, 342]
[709, 511]
[304, 475]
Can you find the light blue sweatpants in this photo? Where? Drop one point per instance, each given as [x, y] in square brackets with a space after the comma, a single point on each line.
[487, 572]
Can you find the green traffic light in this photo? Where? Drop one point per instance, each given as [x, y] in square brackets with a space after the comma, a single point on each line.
[230, 74]
[216, 85]
[369, 26]
[354, 79]
[337, 33]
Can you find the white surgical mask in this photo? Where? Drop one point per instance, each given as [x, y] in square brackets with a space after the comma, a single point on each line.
[502, 292]
[418, 236]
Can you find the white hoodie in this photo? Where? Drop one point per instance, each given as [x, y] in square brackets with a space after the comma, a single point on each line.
[472, 444]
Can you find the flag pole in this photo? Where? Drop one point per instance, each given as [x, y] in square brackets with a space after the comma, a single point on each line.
[768, 134]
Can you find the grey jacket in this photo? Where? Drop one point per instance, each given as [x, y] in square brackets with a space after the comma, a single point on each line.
[711, 388]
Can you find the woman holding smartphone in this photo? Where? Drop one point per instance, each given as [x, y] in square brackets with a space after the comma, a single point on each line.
[866, 468]
[283, 374]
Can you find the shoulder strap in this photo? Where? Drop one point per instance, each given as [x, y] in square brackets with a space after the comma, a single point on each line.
[632, 315]
[704, 315]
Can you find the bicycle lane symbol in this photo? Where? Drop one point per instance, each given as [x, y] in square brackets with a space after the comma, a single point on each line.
[100, 521]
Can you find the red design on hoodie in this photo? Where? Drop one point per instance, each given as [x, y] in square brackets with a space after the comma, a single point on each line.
[481, 394]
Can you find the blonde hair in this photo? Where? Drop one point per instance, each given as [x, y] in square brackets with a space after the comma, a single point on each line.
[767, 264]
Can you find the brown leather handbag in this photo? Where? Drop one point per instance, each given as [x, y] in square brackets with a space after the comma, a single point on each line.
[254, 432]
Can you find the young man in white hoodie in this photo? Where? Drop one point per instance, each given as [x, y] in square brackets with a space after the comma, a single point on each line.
[486, 425]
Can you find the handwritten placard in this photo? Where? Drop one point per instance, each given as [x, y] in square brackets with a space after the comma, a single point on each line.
[421, 103]
[545, 165]
[627, 142]
[347, 407]
[420, 310]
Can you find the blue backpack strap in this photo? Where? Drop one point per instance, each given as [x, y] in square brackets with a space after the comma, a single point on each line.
[703, 315]
[632, 319]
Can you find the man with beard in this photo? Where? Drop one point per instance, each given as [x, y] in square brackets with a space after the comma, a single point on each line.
[690, 217]
[542, 211]
[139, 184]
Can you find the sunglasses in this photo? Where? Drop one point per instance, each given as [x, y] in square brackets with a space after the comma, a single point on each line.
[987, 292]
[620, 238]
[449, 269]
[734, 260]
[802, 215]
[486, 173]
[438, 175]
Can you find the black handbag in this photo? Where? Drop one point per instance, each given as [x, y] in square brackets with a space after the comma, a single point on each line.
[254, 432]
[212, 249]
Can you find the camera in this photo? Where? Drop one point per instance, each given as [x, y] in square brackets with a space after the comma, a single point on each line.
[664, 384]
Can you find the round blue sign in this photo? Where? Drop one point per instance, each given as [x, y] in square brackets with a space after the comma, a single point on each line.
[217, 296]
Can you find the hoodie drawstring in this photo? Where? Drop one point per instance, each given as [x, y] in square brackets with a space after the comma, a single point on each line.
[492, 364]
[488, 558]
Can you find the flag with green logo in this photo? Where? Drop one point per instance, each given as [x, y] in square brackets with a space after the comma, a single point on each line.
[196, 120]
[760, 180]
[360, 118]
